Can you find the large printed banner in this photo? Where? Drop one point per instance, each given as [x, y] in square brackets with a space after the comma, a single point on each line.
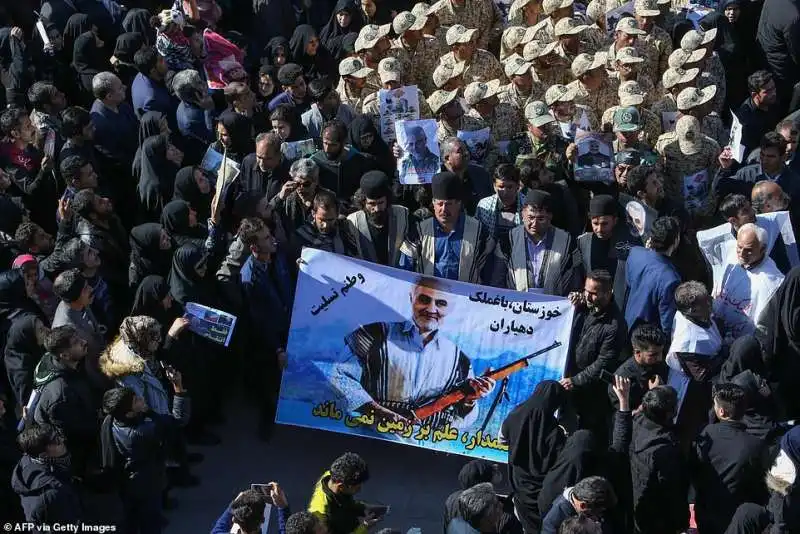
[384, 353]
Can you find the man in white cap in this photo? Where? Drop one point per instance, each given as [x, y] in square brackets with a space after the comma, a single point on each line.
[450, 117]
[522, 87]
[629, 66]
[700, 103]
[483, 15]
[657, 43]
[392, 80]
[449, 76]
[555, 11]
[504, 120]
[432, 27]
[353, 82]
[569, 33]
[631, 94]
[714, 71]
[513, 41]
[626, 34]
[593, 86]
[480, 65]
[373, 43]
[689, 160]
[683, 59]
[549, 68]
[422, 51]
[525, 13]
[673, 81]
[560, 99]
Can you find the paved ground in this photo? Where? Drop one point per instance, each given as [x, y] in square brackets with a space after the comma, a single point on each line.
[413, 481]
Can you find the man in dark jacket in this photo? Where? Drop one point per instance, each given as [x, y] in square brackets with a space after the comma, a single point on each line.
[325, 230]
[726, 463]
[592, 497]
[646, 368]
[659, 476]
[599, 338]
[263, 174]
[779, 38]
[759, 113]
[340, 167]
[477, 183]
[66, 400]
[42, 477]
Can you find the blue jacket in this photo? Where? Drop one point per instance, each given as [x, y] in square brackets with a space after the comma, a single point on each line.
[225, 521]
[269, 299]
[116, 135]
[195, 122]
[651, 279]
[46, 493]
[149, 95]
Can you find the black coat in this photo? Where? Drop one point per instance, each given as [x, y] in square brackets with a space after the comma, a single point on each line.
[779, 38]
[639, 377]
[47, 494]
[659, 480]
[726, 471]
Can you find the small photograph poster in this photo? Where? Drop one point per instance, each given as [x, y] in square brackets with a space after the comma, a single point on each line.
[695, 190]
[292, 150]
[400, 104]
[210, 323]
[420, 159]
[593, 163]
[222, 169]
[735, 141]
[638, 217]
[478, 143]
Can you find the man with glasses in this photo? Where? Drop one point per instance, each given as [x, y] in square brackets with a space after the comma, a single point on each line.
[390, 369]
[293, 201]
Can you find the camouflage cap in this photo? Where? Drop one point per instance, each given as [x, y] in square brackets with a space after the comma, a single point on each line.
[537, 114]
[693, 39]
[536, 49]
[673, 77]
[353, 66]
[689, 134]
[440, 99]
[559, 93]
[444, 72]
[628, 55]
[458, 33]
[548, 6]
[513, 36]
[436, 7]
[370, 35]
[477, 91]
[626, 119]
[630, 93]
[680, 57]
[630, 26]
[516, 65]
[596, 10]
[583, 63]
[569, 26]
[646, 8]
[405, 21]
[692, 97]
[389, 69]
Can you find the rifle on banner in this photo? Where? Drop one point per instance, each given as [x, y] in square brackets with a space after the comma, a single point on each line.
[460, 392]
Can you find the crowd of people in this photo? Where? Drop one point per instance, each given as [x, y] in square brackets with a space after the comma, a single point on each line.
[676, 406]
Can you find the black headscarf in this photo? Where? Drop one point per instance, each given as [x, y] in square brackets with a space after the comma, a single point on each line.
[146, 253]
[77, 25]
[379, 150]
[314, 66]
[332, 34]
[147, 301]
[127, 45]
[580, 458]
[534, 442]
[271, 50]
[347, 46]
[186, 189]
[744, 355]
[138, 20]
[185, 285]
[175, 220]
[87, 59]
[11, 215]
[475, 472]
[150, 125]
[14, 298]
[157, 174]
[240, 131]
[272, 72]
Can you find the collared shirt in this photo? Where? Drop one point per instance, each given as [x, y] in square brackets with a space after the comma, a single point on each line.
[535, 257]
[483, 67]
[483, 15]
[658, 45]
[603, 97]
[509, 94]
[447, 249]
[558, 74]
[350, 97]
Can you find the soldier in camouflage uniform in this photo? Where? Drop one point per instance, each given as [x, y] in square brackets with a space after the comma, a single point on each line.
[481, 66]
[450, 117]
[549, 68]
[372, 45]
[631, 94]
[627, 127]
[568, 34]
[432, 26]
[505, 120]
[628, 65]
[391, 75]
[626, 35]
[543, 141]
[525, 13]
[685, 153]
[656, 43]
[560, 99]
[555, 11]
[513, 41]
[421, 51]
[353, 83]
[594, 87]
[483, 15]
[449, 76]
[711, 68]
[673, 81]
[699, 103]
[522, 87]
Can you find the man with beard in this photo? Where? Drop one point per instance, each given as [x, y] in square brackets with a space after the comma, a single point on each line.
[263, 173]
[390, 369]
[646, 368]
[419, 161]
[324, 230]
[606, 246]
[646, 185]
[379, 228]
[451, 244]
[340, 167]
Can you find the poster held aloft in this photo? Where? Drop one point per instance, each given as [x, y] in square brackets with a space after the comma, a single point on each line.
[414, 359]
[478, 143]
[593, 162]
[210, 323]
[401, 104]
[420, 159]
